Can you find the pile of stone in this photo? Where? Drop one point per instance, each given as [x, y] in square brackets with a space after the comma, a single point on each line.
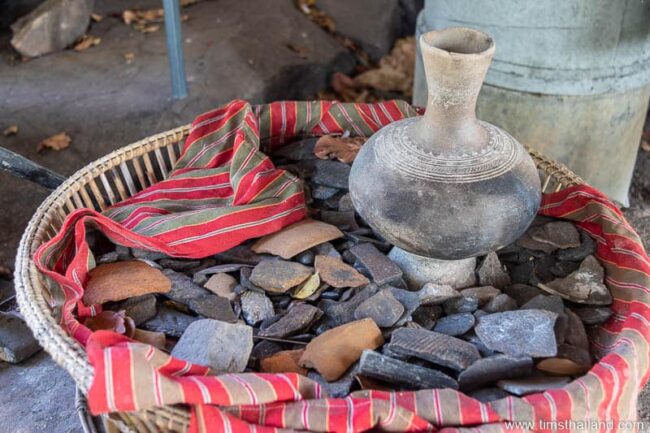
[322, 298]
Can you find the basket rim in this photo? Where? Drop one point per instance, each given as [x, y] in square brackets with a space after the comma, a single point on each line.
[28, 280]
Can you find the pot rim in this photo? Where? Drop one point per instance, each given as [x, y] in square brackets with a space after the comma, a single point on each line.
[461, 42]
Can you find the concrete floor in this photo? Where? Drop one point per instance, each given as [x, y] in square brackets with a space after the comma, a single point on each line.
[103, 102]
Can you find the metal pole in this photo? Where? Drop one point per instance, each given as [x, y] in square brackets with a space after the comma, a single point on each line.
[175, 48]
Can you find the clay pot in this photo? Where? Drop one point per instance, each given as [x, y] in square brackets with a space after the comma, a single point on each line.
[446, 185]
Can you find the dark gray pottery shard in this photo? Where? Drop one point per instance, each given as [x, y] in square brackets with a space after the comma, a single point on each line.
[521, 332]
[434, 347]
[404, 177]
[377, 366]
[494, 368]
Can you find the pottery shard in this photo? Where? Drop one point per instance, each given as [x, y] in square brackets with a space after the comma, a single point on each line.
[494, 368]
[383, 308]
[139, 308]
[584, 286]
[224, 347]
[521, 332]
[499, 304]
[278, 276]
[381, 268]
[561, 234]
[529, 243]
[156, 339]
[121, 280]
[183, 289]
[256, 307]
[335, 350]
[386, 369]
[570, 361]
[297, 238]
[297, 318]
[576, 334]
[492, 273]
[593, 315]
[456, 324]
[434, 347]
[532, 385]
[285, 361]
[484, 294]
[169, 321]
[339, 313]
[437, 294]
[338, 274]
[223, 285]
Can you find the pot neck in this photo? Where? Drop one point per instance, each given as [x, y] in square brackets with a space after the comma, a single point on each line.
[456, 61]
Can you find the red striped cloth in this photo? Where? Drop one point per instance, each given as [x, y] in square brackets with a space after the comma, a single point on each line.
[131, 376]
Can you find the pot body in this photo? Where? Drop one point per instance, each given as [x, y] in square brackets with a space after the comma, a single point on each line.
[446, 185]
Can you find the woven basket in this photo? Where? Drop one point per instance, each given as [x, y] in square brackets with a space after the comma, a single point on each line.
[99, 185]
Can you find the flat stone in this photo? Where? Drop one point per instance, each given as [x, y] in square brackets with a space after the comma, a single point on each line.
[544, 302]
[278, 276]
[427, 315]
[239, 255]
[109, 257]
[434, 347]
[499, 304]
[342, 312]
[532, 385]
[306, 258]
[224, 347]
[419, 270]
[489, 370]
[338, 274]
[484, 294]
[339, 388]
[323, 192]
[331, 173]
[326, 249]
[183, 289]
[213, 307]
[51, 27]
[471, 337]
[379, 267]
[584, 286]
[139, 308]
[223, 285]
[256, 307]
[492, 273]
[463, 304]
[121, 280]
[345, 203]
[487, 395]
[576, 334]
[560, 234]
[285, 361]
[383, 308]
[334, 351]
[179, 265]
[456, 324]
[17, 342]
[298, 150]
[403, 374]
[521, 332]
[529, 243]
[155, 339]
[264, 349]
[169, 321]
[297, 238]
[297, 319]
[410, 300]
[437, 294]
[343, 220]
[148, 255]
[522, 293]
[593, 315]
[587, 247]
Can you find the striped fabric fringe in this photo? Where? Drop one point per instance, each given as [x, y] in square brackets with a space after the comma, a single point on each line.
[131, 376]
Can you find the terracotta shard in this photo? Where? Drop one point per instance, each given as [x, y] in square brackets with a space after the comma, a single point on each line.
[338, 274]
[121, 280]
[278, 276]
[334, 351]
[156, 339]
[297, 238]
[434, 347]
[584, 286]
[298, 318]
[285, 361]
[223, 285]
[492, 273]
[381, 268]
[383, 308]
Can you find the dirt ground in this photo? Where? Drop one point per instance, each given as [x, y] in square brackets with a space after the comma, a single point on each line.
[105, 101]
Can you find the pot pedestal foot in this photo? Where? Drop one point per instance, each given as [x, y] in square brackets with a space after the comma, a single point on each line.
[419, 270]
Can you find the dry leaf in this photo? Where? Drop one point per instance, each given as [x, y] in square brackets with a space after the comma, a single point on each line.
[10, 130]
[129, 57]
[58, 141]
[343, 149]
[129, 16]
[86, 42]
[395, 72]
[145, 21]
[96, 17]
[149, 28]
[308, 287]
[302, 51]
[322, 19]
[645, 145]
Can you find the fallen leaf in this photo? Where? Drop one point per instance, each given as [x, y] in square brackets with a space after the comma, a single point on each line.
[321, 18]
[58, 141]
[645, 145]
[96, 17]
[10, 130]
[395, 72]
[302, 51]
[343, 149]
[129, 16]
[150, 28]
[86, 42]
[129, 57]
[145, 21]
[308, 287]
